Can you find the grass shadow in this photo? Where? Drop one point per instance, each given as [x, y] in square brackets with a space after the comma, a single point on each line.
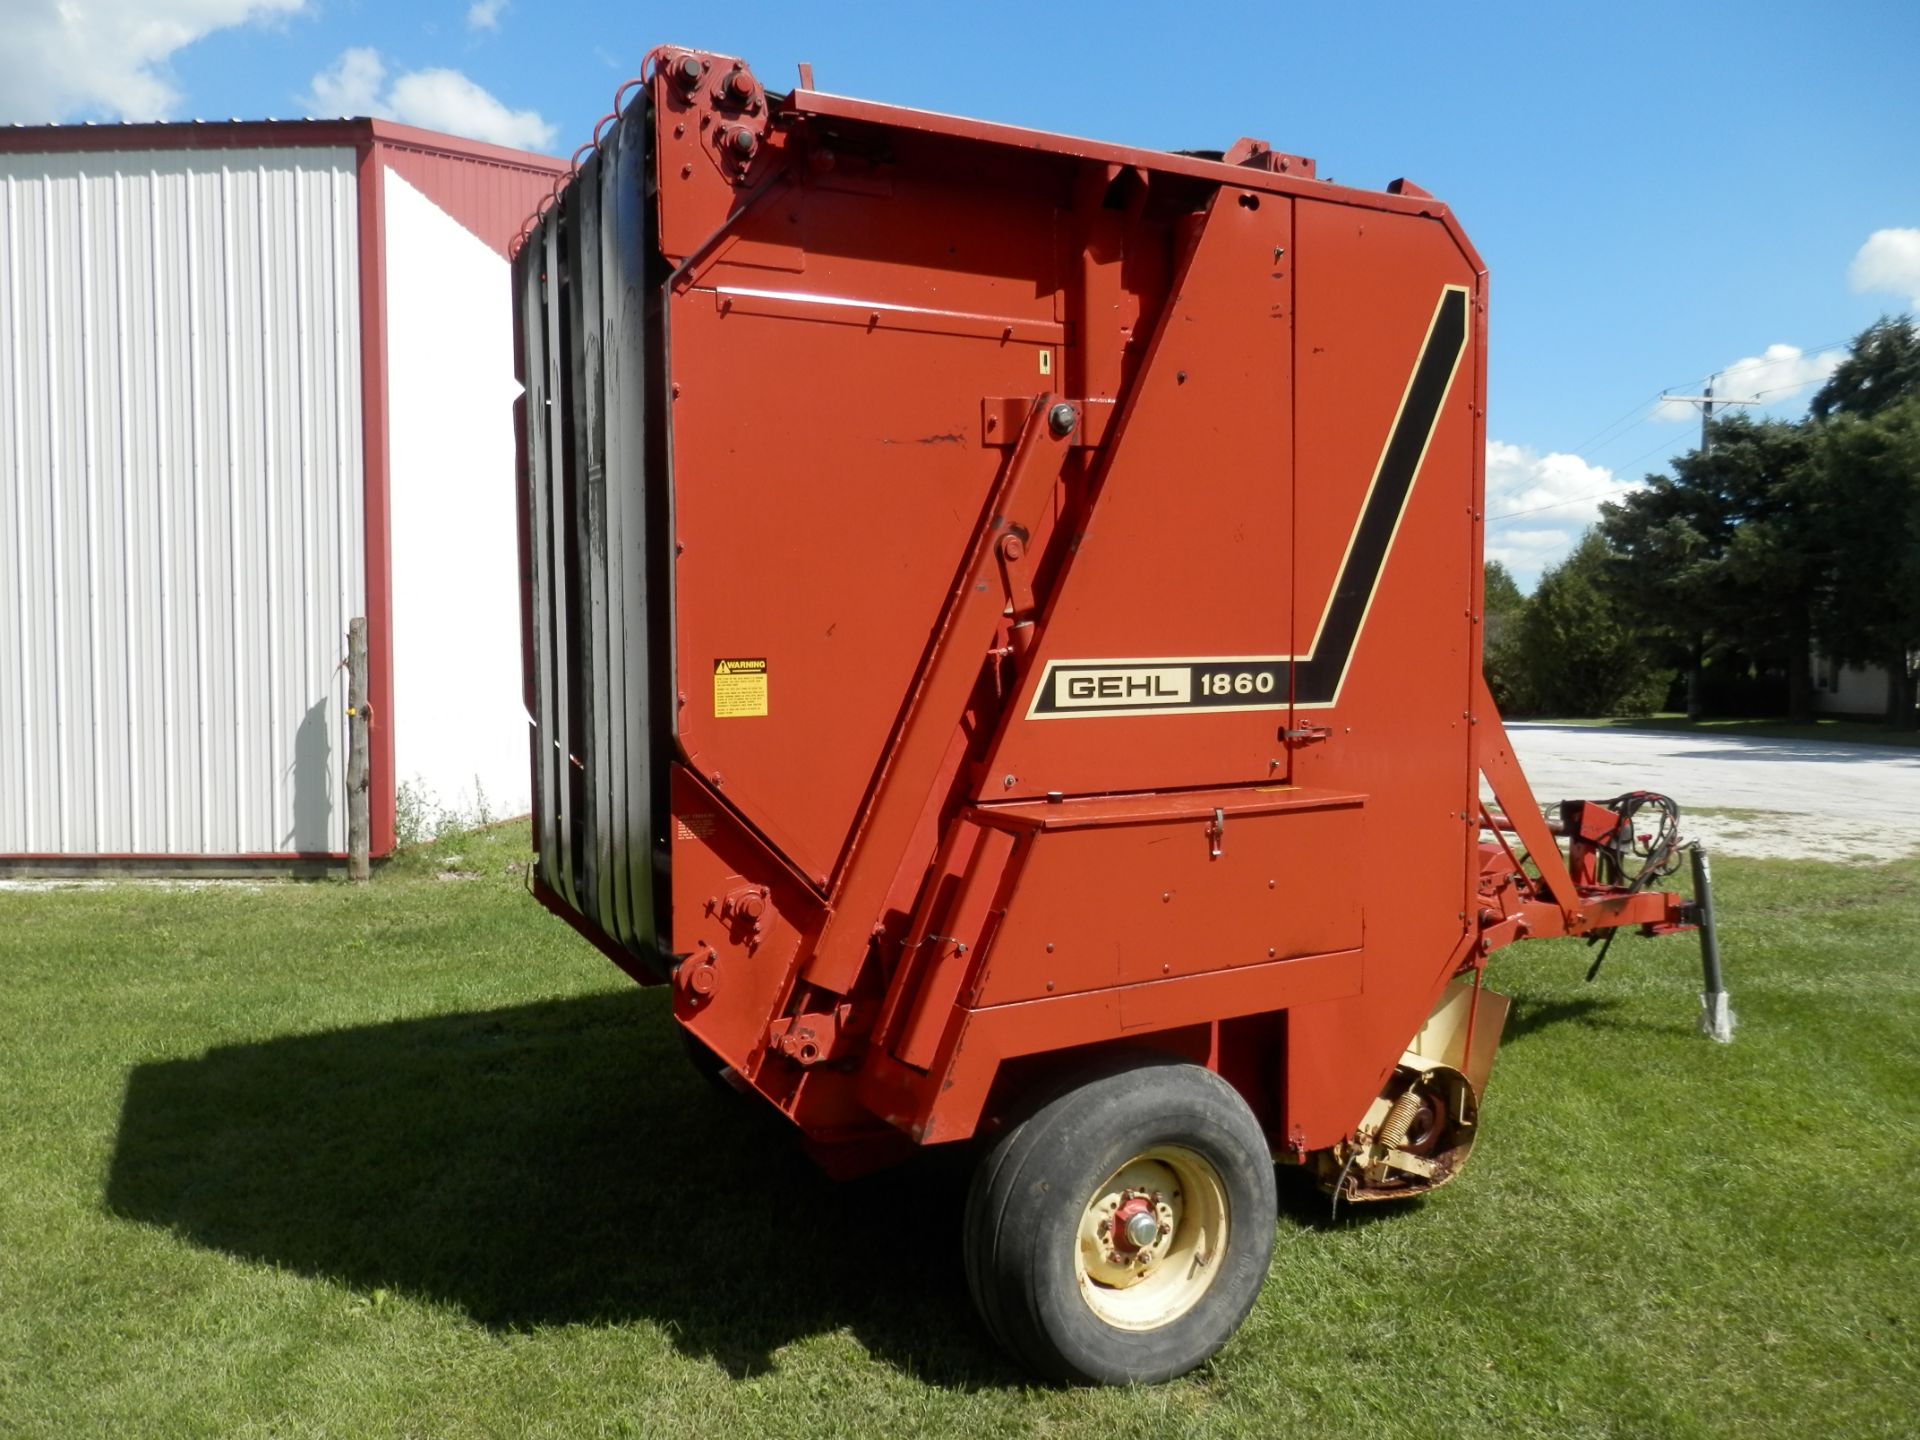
[549, 1164]
[1531, 1016]
[1304, 1205]
[1593, 1011]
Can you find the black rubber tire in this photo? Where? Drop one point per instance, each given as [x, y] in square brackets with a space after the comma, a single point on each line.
[1033, 1184]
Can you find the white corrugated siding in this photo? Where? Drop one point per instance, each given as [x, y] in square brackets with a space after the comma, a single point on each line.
[182, 531]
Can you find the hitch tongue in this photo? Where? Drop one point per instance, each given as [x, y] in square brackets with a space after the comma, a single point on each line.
[1716, 1016]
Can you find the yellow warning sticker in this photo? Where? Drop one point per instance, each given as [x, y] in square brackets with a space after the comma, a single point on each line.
[739, 688]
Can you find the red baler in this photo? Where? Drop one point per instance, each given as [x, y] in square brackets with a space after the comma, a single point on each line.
[1003, 633]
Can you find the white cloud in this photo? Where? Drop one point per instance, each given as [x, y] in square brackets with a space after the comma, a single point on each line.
[437, 99]
[1519, 478]
[1780, 376]
[485, 14]
[76, 59]
[1558, 494]
[351, 86]
[1889, 261]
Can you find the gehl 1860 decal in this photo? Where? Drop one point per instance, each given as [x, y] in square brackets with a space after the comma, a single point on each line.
[1126, 687]
[1087, 688]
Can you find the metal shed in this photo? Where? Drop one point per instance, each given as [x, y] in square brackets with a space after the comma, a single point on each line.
[255, 380]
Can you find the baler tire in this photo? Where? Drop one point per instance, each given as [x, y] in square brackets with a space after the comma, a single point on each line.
[1030, 1196]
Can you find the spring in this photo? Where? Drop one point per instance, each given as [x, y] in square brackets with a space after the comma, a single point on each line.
[1393, 1131]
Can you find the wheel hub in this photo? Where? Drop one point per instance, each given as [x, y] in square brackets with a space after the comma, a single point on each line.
[1148, 1238]
[1141, 1228]
[1132, 1230]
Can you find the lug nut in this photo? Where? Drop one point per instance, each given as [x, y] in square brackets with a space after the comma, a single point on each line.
[1061, 419]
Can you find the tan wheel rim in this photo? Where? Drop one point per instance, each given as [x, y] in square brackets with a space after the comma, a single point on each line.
[1151, 1238]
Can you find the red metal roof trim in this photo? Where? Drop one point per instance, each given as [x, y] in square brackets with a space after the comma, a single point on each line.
[264, 134]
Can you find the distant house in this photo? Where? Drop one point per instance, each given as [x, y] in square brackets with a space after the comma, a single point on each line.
[255, 380]
[1848, 689]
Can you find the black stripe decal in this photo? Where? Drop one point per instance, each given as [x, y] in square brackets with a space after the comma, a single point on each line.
[1172, 686]
[1316, 680]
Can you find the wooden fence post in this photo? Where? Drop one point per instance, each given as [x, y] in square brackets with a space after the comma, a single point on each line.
[359, 827]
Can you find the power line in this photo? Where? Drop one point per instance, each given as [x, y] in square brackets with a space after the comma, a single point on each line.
[1647, 409]
[1558, 504]
[1647, 412]
[1639, 408]
[1618, 489]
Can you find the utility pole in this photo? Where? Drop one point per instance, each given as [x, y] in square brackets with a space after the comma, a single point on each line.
[1696, 705]
[1706, 403]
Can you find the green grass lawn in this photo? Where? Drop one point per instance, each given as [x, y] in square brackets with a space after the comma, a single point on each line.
[304, 1160]
[1852, 732]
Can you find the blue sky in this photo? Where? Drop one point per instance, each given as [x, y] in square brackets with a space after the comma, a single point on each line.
[1659, 191]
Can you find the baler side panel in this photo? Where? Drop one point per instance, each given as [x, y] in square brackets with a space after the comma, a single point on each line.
[741, 921]
[1121, 904]
[1186, 547]
[1388, 338]
[824, 537]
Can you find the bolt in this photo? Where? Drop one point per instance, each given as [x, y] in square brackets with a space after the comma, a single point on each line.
[740, 86]
[1006, 782]
[742, 143]
[1061, 419]
[688, 71]
[1012, 548]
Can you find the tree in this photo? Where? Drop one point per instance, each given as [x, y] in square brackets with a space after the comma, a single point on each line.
[1868, 515]
[1882, 368]
[1712, 560]
[1500, 660]
[1575, 649]
[1503, 595]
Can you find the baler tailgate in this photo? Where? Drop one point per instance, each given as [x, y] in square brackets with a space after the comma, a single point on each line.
[584, 301]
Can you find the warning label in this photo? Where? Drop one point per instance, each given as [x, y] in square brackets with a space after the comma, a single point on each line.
[739, 688]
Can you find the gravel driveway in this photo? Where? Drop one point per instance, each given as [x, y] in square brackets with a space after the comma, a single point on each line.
[1811, 799]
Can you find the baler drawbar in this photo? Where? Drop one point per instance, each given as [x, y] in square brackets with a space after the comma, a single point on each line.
[1003, 632]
